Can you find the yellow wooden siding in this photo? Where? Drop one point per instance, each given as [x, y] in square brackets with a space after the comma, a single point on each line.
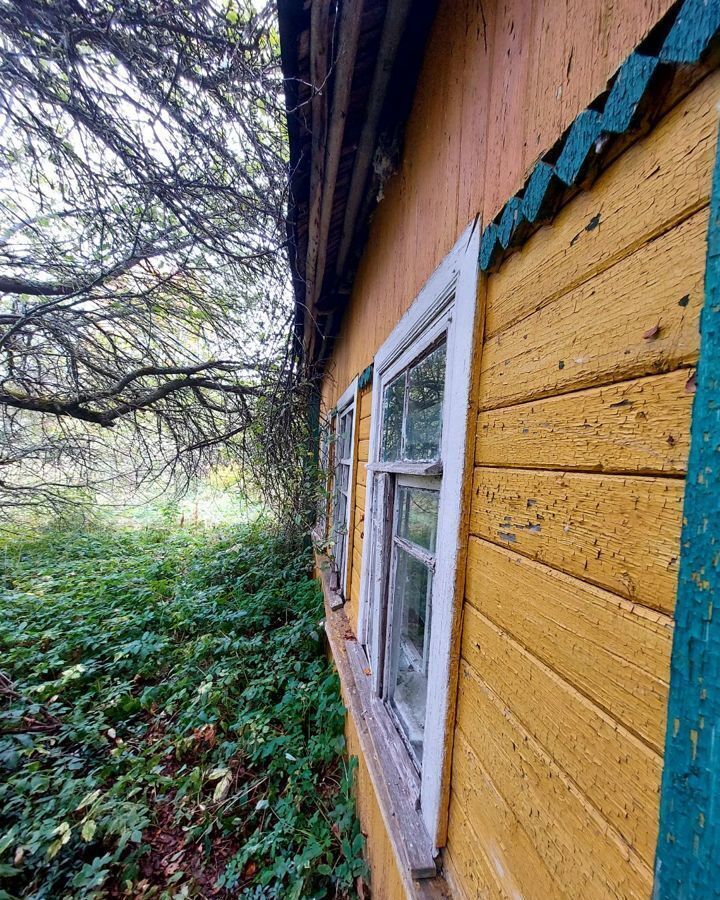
[581, 450]
[614, 651]
[595, 527]
[640, 426]
[469, 872]
[639, 317]
[660, 181]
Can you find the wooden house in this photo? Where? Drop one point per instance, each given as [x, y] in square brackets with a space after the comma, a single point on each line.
[505, 246]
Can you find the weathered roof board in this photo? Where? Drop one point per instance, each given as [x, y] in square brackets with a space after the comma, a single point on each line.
[389, 62]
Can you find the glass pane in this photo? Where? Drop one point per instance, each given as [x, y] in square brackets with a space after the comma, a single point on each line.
[393, 402]
[423, 428]
[339, 549]
[417, 516]
[345, 436]
[411, 636]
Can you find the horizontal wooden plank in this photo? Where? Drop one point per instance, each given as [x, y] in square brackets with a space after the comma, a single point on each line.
[355, 595]
[621, 532]
[357, 560]
[364, 429]
[361, 474]
[359, 530]
[358, 536]
[617, 773]
[360, 492]
[363, 451]
[614, 652]
[365, 404]
[639, 317]
[635, 426]
[588, 859]
[468, 870]
[516, 861]
[657, 182]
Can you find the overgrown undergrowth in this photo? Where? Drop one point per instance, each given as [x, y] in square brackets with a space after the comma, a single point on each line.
[169, 725]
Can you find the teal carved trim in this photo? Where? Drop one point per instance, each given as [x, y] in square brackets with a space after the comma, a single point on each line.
[695, 26]
[687, 862]
[365, 377]
[690, 29]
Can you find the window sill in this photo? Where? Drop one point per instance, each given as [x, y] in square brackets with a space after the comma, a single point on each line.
[394, 779]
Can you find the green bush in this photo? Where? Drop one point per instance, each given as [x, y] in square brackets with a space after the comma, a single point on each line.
[170, 726]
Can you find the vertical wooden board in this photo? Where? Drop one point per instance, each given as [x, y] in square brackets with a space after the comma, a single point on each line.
[357, 560]
[469, 871]
[615, 771]
[639, 317]
[602, 35]
[478, 49]
[575, 46]
[616, 531]
[355, 601]
[628, 23]
[635, 426]
[551, 53]
[613, 652]
[507, 103]
[655, 184]
[435, 136]
[586, 856]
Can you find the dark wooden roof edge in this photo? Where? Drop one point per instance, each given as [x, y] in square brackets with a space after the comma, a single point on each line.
[291, 18]
[350, 70]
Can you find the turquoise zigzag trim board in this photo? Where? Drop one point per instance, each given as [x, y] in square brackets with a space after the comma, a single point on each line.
[696, 23]
[365, 377]
[687, 863]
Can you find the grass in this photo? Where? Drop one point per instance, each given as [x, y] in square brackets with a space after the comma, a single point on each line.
[169, 724]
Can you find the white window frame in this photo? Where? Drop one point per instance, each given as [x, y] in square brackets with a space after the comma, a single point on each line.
[445, 305]
[346, 404]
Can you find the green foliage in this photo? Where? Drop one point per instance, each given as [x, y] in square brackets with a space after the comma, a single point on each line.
[170, 726]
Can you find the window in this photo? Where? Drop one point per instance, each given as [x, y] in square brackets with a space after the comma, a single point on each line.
[414, 536]
[411, 431]
[342, 492]
[412, 411]
[416, 472]
[324, 487]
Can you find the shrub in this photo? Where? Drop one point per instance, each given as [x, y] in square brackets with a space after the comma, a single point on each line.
[170, 725]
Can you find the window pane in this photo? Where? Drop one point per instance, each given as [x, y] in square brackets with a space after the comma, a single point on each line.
[345, 436]
[339, 528]
[426, 382]
[411, 634]
[393, 402]
[417, 516]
